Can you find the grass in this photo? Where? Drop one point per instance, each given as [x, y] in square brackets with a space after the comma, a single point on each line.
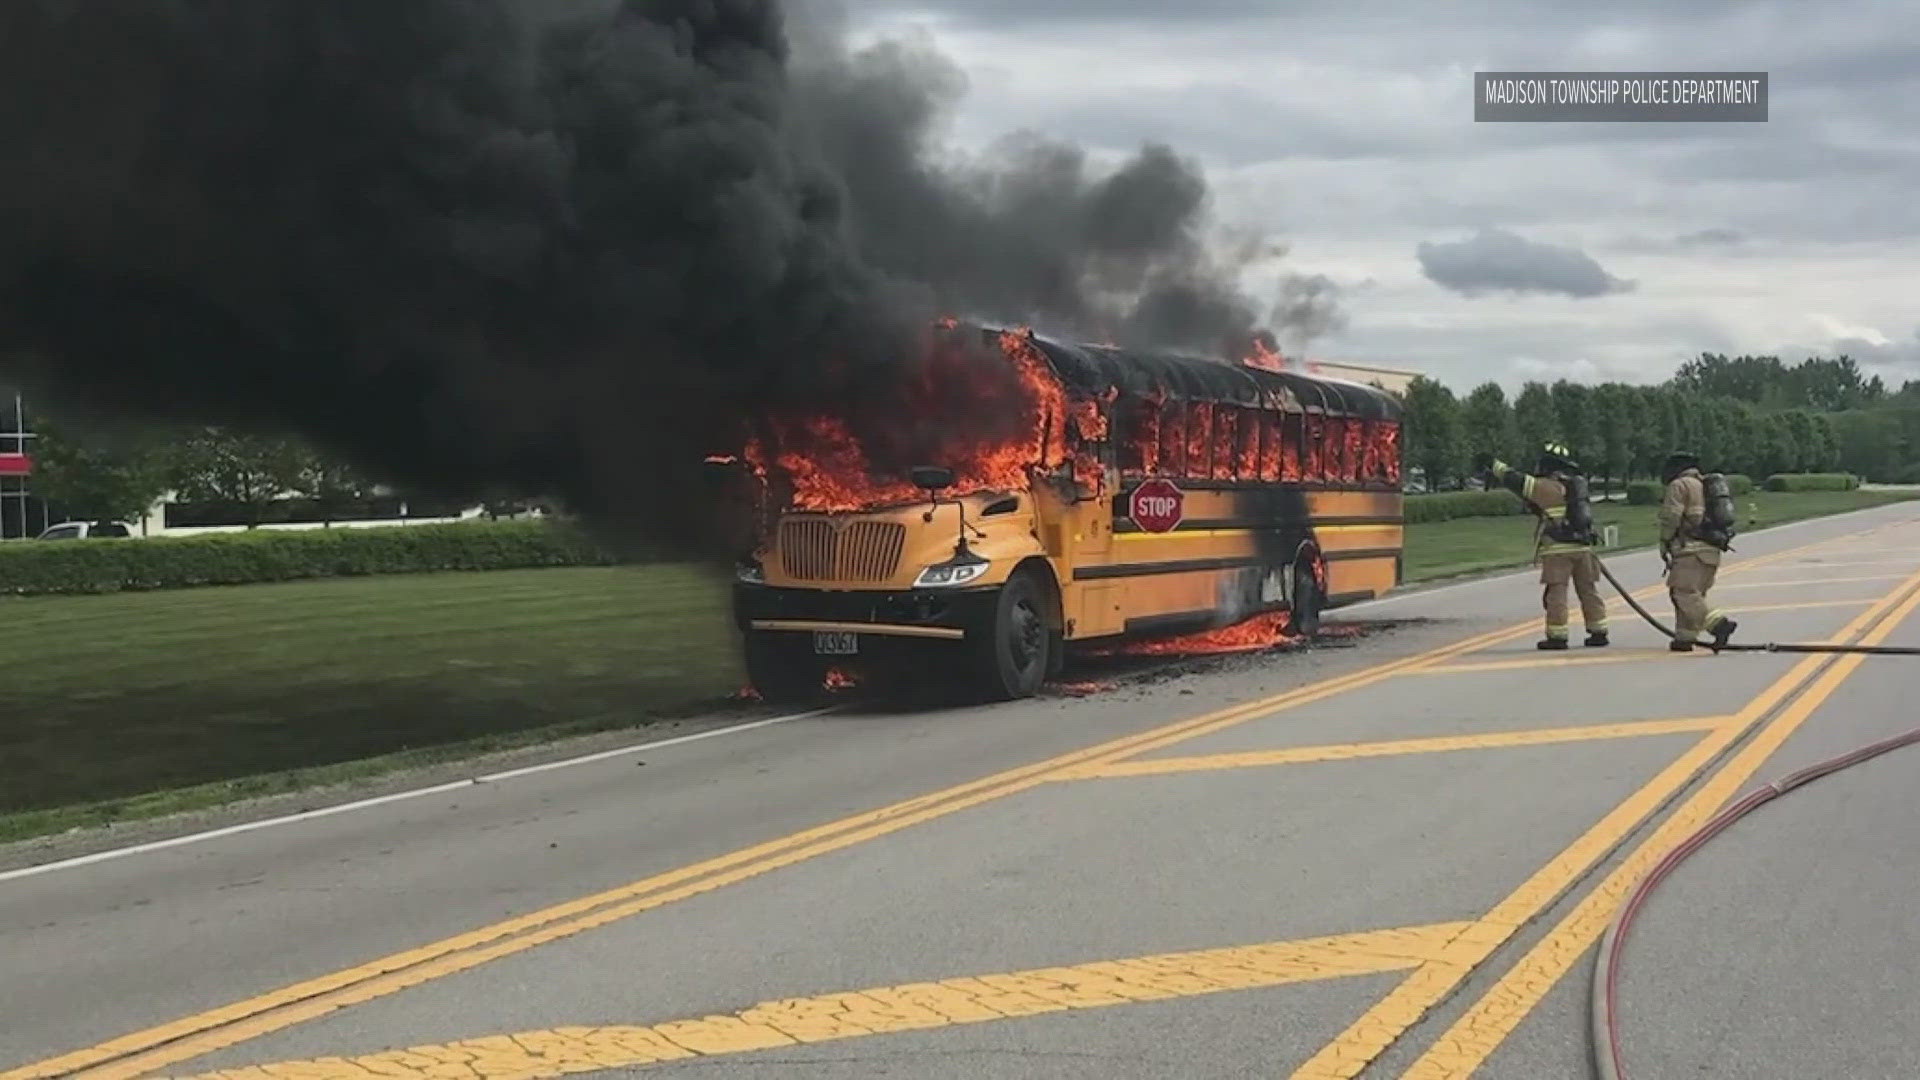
[211, 694]
[137, 704]
[1471, 545]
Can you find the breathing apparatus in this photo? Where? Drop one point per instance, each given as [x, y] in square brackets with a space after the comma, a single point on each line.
[1717, 527]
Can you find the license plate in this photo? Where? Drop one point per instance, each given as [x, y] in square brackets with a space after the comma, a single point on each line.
[836, 643]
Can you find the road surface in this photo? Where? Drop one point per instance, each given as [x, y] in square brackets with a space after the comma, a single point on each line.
[1389, 859]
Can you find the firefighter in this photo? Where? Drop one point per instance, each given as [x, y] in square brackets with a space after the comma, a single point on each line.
[1563, 547]
[1692, 560]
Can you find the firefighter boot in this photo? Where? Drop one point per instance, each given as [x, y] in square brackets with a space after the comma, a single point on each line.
[1552, 644]
[1596, 639]
[1723, 630]
[1676, 645]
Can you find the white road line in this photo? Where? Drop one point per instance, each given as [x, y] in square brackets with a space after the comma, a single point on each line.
[398, 796]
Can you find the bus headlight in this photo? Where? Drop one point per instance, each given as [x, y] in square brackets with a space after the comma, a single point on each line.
[750, 572]
[948, 574]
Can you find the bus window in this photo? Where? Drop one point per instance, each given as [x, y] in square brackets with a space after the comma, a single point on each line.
[1226, 441]
[1137, 437]
[1293, 441]
[1389, 443]
[1199, 440]
[1173, 439]
[1313, 467]
[1270, 446]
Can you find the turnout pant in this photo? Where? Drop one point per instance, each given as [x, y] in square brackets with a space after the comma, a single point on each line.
[1688, 581]
[1559, 570]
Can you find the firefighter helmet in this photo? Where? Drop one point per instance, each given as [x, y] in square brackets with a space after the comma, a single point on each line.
[1556, 457]
[1678, 462]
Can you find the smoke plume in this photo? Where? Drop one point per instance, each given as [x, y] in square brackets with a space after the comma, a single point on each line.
[468, 242]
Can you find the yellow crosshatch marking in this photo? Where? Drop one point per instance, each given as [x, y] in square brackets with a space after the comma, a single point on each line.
[1487, 1024]
[1459, 1050]
[147, 1052]
[531, 1055]
[1437, 744]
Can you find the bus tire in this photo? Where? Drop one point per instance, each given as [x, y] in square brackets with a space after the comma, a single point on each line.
[1013, 651]
[1307, 601]
[782, 669]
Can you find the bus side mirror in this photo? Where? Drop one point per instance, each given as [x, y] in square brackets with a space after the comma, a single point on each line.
[931, 477]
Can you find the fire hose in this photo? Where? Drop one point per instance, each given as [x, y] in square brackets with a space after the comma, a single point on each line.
[1605, 1032]
[1771, 646]
[1605, 1041]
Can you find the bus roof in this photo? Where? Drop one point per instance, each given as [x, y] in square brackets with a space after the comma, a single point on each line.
[1095, 369]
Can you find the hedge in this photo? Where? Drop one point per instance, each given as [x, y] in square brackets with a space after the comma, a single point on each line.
[1812, 482]
[1645, 493]
[1448, 505]
[1739, 483]
[35, 567]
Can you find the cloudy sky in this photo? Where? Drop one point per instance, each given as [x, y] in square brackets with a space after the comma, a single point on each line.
[1502, 251]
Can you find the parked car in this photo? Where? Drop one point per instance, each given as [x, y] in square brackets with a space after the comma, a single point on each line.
[88, 530]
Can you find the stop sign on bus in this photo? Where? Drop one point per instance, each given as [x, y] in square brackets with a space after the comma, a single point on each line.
[1156, 506]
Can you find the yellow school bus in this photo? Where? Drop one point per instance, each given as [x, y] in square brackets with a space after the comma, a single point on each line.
[1186, 493]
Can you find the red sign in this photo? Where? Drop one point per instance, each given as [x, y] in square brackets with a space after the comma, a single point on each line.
[1156, 506]
[15, 465]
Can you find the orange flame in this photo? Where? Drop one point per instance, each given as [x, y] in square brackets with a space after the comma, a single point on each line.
[838, 679]
[1264, 357]
[826, 468]
[1263, 631]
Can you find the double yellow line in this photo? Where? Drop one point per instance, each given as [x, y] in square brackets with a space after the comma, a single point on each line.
[143, 1052]
[1462, 1049]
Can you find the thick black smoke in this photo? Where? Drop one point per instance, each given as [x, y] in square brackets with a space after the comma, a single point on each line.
[564, 245]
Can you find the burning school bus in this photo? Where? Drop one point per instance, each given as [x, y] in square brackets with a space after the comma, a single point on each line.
[1118, 495]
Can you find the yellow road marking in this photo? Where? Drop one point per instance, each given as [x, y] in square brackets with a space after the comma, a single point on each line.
[1369, 1036]
[1433, 745]
[1807, 581]
[1857, 602]
[1485, 1026]
[533, 1055]
[1611, 656]
[142, 1052]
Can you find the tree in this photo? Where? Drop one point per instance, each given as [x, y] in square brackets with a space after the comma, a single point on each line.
[99, 476]
[1656, 428]
[1432, 431]
[1616, 415]
[1574, 420]
[1487, 422]
[330, 483]
[1533, 421]
[245, 471]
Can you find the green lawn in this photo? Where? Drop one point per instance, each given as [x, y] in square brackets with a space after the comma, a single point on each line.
[133, 704]
[114, 696]
[1467, 545]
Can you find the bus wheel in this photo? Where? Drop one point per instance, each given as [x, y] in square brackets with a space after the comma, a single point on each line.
[1306, 601]
[782, 669]
[1014, 651]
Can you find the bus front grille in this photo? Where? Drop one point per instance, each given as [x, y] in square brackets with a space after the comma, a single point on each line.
[811, 549]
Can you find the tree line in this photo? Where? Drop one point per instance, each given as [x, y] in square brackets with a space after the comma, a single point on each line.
[90, 473]
[1745, 414]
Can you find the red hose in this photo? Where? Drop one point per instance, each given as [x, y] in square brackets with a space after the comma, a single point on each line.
[1607, 1057]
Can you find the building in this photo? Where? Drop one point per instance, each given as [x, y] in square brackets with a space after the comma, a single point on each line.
[1392, 380]
[20, 513]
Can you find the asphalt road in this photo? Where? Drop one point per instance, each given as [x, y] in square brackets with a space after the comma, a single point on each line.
[1386, 859]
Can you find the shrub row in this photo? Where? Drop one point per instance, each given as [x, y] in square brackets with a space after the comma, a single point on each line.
[1739, 483]
[103, 566]
[1645, 492]
[1812, 482]
[1448, 505]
